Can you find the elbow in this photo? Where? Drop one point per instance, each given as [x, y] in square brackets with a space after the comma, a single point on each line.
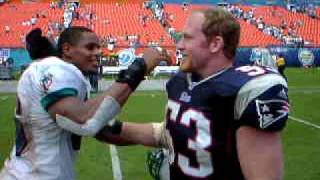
[81, 119]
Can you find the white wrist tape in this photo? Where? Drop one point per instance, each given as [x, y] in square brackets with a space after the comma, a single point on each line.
[161, 135]
[157, 131]
[163, 138]
[104, 115]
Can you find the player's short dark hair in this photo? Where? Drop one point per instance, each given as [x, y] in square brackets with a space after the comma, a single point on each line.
[220, 22]
[38, 46]
[72, 36]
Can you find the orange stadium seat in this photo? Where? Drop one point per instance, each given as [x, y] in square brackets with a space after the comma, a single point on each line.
[124, 20]
[308, 31]
[247, 30]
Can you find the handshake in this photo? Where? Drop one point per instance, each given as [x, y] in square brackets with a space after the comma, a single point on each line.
[110, 106]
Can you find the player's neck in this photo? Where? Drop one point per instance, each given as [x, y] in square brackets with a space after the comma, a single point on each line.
[215, 66]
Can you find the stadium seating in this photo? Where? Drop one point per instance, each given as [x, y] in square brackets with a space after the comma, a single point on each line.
[309, 29]
[16, 13]
[123, 19]
[247, 30]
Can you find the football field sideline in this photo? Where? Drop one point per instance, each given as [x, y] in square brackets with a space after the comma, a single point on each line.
[305, 122]
[305, 90]
[116, 168]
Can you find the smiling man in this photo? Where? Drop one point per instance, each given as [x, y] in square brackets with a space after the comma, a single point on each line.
[222, 122]
[46, 146]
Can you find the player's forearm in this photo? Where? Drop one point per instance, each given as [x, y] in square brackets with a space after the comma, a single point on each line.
[80, 112]
[131, 134]
[119, 91]
[88, 119]
[91, 117]
[138, 133]
[127, 81]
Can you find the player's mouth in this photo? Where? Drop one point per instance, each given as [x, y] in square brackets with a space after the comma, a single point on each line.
[184, 57]
[186, 64]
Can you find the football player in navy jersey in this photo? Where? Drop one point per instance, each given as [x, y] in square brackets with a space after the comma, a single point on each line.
[222, 121]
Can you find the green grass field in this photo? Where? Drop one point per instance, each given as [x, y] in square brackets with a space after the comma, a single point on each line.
[302, 151]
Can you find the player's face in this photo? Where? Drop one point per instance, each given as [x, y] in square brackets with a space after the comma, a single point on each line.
[194, 45]
[85, 53]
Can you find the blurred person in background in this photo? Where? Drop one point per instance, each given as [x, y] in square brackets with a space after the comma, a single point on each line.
[281, 64]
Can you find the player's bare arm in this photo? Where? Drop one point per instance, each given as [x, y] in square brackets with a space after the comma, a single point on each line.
[260, 154]
[147, 134]
[103, 108]
[131, 134]
[263, 116]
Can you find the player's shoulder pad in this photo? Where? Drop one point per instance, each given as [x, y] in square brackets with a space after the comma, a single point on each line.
[263, 102]
[55, 73]
[57, 65]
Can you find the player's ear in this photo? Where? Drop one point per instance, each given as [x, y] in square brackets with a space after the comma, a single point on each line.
[66, 49]
[216, 44]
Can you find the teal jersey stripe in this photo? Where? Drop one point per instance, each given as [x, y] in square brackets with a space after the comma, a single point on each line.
[55, 96]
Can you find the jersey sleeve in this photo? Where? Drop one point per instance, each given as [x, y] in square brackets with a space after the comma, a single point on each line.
[57, 83]
[263, 103]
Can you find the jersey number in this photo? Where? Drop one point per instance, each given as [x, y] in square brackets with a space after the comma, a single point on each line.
[198, 144]
[251, 70]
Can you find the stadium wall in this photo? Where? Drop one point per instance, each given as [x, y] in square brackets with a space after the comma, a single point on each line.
[293, 56]
[19, 55]
[243, 2]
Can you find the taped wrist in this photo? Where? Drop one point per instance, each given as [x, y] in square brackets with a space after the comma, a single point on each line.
[116, 128]
[163, 139]
[159, 134]
[134, 74]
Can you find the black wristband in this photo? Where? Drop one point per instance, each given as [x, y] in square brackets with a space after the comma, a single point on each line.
[116, 128]
[134, 74]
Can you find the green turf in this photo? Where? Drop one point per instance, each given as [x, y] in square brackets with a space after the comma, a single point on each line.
[142, 107]
[7, 133]
[300, 141]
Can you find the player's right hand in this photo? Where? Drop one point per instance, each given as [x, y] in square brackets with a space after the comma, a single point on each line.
[153, 56]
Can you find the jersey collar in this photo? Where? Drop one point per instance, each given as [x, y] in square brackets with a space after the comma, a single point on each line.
[192, 84]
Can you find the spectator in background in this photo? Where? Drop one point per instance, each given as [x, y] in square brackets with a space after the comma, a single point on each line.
[281, 64]
[185, 6]
[34, 20]
[94, 81]
[52, 5]
[7, 29]
[10, 62]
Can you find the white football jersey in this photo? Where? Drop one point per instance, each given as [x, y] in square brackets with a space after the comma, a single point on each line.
[43, 150]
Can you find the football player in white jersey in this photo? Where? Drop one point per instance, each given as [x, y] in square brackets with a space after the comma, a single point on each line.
[47, 145]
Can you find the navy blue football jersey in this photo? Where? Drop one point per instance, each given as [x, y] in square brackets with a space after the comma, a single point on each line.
[202, 118]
